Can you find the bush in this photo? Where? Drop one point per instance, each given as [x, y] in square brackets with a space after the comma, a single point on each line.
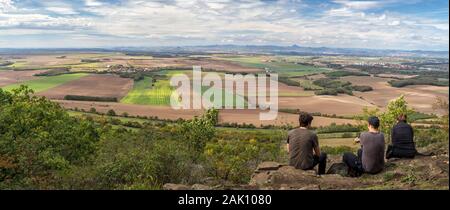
[38, 138]
[90, 98]
[422, 80]
[338, 74]
[93, 110]
[55, 72]
[340, 150]
[362, 88]
[334, 128]
[111, 112]
[288, 81]
[330, 92]
[236, 160]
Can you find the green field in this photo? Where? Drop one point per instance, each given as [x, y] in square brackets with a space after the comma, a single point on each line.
[145, 92]
[283, 68]
[46, 83]
[237, 99]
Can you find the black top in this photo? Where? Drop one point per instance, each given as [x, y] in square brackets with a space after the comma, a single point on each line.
[403, 136]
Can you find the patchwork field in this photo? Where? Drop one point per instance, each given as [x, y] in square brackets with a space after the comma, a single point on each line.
[45, 83]
[146, 92]
[151, 96]
[100, 85]
[420, 97]
[252, 116]
[163, 112]
[340, 105]
[276, 65]
[11, 77]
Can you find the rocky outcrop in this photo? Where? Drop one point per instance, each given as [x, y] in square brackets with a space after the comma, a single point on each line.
[270, 175]
[422, 172]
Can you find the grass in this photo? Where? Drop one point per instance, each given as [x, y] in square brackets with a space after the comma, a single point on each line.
[336, 142]
[145, 92]
[237, 99]
[46, 83]
[283, 68]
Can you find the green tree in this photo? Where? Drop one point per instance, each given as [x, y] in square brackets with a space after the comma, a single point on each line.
[198, 131]
[38, 137]
[394, 109]
[388, 118]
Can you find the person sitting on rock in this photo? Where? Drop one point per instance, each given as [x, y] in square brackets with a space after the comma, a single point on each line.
[370, 158]
[402, 137]
[303, 146]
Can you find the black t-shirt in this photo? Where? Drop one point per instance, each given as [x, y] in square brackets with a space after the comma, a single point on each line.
[301, 145]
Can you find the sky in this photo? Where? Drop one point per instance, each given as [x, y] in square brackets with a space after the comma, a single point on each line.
[374, 24]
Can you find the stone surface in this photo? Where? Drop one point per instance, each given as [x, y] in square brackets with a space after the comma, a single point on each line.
[268, 166]
[201, 187]
[338, 168]
[288, 177]
[170, 186]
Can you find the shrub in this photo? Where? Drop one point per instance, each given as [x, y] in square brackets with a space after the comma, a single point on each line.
[288, 81]
[236, 160]
[111, 112]
[90, 98]
[421, 80]
[93, 110]
[337, 150]
[334, 128]
[362, 88]
[330, 92]
[38, 137]
[337, 74]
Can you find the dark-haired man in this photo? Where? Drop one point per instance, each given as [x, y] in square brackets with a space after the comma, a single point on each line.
[370, 157]
[402, 137]
[303, 146]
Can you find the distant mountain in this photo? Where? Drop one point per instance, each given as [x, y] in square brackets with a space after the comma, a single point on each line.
[243, 49]
[289, 50]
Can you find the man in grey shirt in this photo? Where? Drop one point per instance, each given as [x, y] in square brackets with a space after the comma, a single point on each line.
[370, 157]
[303, 147]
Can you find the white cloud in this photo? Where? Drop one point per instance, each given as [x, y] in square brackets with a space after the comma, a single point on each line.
[183, 22]
[93, 3]
[62, 10]
[359, 5]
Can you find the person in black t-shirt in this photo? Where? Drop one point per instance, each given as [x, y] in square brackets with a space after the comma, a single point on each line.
[402, 137]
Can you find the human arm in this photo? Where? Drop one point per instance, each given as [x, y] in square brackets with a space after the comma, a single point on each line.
[316, 146]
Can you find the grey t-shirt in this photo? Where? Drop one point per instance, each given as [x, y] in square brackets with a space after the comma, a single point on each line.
[301, 144]
[372, 151]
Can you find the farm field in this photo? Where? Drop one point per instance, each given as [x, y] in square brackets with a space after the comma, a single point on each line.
[342, 104]
[145, 92]
[162, 112]
[45, 83]
[99, 85]
[283, 68]
[8, 77]
[419, 96]
[252, 117]
[151, 96]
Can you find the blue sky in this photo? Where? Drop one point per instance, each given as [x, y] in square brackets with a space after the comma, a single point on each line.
[387, 24]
